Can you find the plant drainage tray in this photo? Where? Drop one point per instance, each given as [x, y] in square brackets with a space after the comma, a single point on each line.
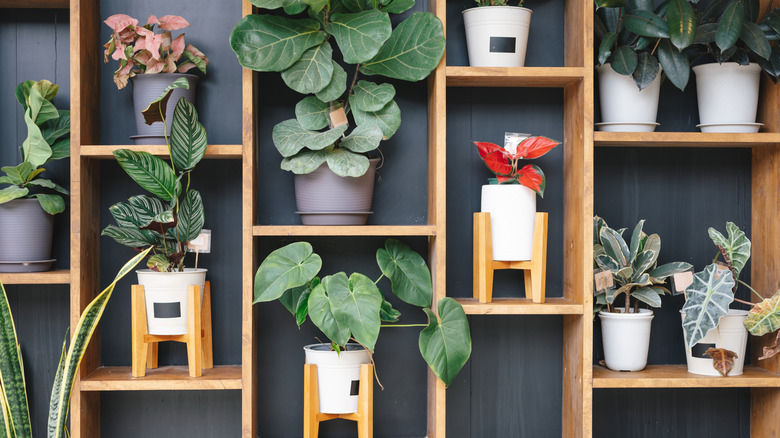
[334, 217]
[26, 266]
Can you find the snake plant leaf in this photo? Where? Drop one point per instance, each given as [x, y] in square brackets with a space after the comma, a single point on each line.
[336, 87]
[347, 164]
[664, 271]
[388, 119]
[722, 359]
[387, 313]
[364, 138]
[730, 26]
[58, 376]
[610, 3]
[624, 60]
[446, 343]
[360, 35]
[356, 302]
[132, 237]
[614, 246]
[14, 389]
[191, 216]
[290, 137]
[149, 171]
[52, 204]
[675, 64]
[681, 20]
[647, 295]
[708, 300]
[290, 266]
[12, 192]
[735, 248]
[312, 113]
[312, 72]
[156, 110]
[321, 312]
[305, 161]
[413, 50]
[646, 23]
[398, 6]
[35, 150]
[407, 271]
[272, 43]
[637, 242]
[188, 137]
[647, 69]
[372, 97]
[754, 38]
[764, 317]
[605, 48]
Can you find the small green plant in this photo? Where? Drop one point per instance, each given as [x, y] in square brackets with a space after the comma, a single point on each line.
[495, 3]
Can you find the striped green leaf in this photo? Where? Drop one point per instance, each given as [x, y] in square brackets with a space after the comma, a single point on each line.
[149, 171]
[12, 373]
[132, 237]
[191, 216]
[735, 248]
[708, 300]
[188, 137]
[54, 399]
[156, 110]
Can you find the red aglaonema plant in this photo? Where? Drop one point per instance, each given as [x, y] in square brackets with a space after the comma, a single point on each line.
[139, 49]
[505, 163]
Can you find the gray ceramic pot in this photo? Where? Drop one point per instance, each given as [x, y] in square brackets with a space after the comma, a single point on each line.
[25, 236]
[147, 88]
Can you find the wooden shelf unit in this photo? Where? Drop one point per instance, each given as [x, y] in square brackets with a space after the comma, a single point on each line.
[213, 151]
[170, 378]
[346, 230]
[34, 4]
[521, 306]
[685, 139]
[547, 77]
[677, 376]
[61, 276]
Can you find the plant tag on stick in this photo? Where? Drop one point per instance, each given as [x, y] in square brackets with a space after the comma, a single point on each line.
[722, 267]
[603, 280]
[681, 281]
[337, 117]
[202, 243]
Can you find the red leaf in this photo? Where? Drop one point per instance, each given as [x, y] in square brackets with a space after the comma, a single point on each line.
[486, 148]
[535, 147]
[496, 162]
[529, 177]
[722, 359]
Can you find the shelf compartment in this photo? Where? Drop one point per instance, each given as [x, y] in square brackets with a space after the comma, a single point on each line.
[37, 4]
[171, 378]
[344, 230]
[521, 306]
[49, 277]
[546, 77]
[677, 376]
[107, 151]
[685, 139]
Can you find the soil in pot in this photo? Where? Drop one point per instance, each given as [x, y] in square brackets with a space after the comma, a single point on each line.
[338, 376]
[497, 36]
[626, 339]
[166, 298]
[25, 236]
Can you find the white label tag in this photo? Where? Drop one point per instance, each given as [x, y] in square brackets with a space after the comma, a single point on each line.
[202, 243]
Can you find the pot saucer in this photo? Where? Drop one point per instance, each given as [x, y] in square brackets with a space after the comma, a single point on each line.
[750, 128]
[26, 266]
[626, 126]
[148, 139]
[334, 217]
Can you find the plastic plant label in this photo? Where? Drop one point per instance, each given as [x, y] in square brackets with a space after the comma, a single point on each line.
[681, 281]
[722, 267]
[512, 139]
[603, 280]
[337, 117]
[202, 243]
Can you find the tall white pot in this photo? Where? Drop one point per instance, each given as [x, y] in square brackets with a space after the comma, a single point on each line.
[512, 209]
[727, 95]
[730, 334]
[624, 107]
[497, 36]
[166, 298]
[626, 339]
[338, 376]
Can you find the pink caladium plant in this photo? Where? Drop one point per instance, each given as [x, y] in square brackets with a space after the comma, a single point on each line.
[505, 163]
[139, 49]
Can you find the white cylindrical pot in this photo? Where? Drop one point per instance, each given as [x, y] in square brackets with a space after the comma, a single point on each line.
[497, 36]
[512, 209]
[166, 298]
[338, 376]
[727, 93]
[624, 103]
[626, 339]
[730, 334]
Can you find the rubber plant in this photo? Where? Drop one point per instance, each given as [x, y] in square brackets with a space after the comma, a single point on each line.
[47, 140]
[14, 409]
[301, 48]
[174, 215]
[505, 163]
[353, 308]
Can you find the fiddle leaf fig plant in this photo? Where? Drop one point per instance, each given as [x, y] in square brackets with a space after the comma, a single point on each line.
[352, 307]
[302, 50]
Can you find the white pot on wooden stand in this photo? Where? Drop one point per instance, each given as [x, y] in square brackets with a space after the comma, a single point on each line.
[497, 36]
[730, 334]
[512, 209]
[166, 298]
[338, 376]
[626, 339]
[624, 107]
[728, 96]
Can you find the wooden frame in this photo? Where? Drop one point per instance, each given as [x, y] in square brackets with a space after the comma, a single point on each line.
[312, 417]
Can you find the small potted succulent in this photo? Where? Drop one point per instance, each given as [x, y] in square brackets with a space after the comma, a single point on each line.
[496, 33]
[635, 274]
[152, 61]
[352, 308]
[510, 197]
[26, 209]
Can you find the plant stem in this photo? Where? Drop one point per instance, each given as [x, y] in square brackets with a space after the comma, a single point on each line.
[717, 256]
[403, 325]
[658, 41]
[351, 86]
[751, 289]
[380, 277]
[744, 302]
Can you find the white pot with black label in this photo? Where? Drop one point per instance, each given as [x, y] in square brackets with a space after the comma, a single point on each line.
[730, 334]
[338, 376]
[497, 36]
[166, 298]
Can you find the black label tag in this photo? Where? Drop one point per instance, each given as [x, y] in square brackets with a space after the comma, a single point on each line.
[699, 349]
[502, 44]
[167, 310]
[355, 387]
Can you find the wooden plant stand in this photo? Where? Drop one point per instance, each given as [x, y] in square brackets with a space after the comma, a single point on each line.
[200, 354]
[484, 265]
[311, 403]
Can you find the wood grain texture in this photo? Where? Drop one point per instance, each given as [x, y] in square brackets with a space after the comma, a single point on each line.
[677, 376]
[548, 77]
[345, 230]
[60, 276]
[168, 378]
[213, 151]
[521, 306]
[36, 4]
[685, 139]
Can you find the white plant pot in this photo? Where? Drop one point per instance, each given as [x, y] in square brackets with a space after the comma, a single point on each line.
[512, 209]
[497, 36]
[727, 94]
[623, 104]
[166, 298]
[338, 376]
[626, 339]
[730, 334]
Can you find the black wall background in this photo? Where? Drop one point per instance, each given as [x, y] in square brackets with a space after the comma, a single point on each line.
[511, 387]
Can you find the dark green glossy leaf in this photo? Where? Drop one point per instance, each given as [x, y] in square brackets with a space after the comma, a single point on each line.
[646, 23]
[705, 33]
[624, 61]
[387, 313]
[730, 26]
[681, 19]
[754, 38]
[605, 48]
[713, 11]
[610, 3]
[676, 65]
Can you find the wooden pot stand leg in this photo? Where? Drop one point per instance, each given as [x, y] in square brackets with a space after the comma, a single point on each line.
[199, 348]
[311, 403]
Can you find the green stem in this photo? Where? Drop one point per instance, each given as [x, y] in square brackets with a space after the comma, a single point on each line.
[717, 256]
[380, 277]
[751, 289]
[745, 302]
[404, 325]
[354, 81]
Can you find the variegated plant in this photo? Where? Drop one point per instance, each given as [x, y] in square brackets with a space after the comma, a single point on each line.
[634, 267]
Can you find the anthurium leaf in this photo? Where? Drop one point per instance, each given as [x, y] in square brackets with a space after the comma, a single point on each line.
[722, 359]
[754, 38]
[305, 161]
[347, 164]
[272, 43]
[398, 6]
[156, 110]
[312, 72]
[675, 64]
[321, 312]
[290, 266]
[149, 171]
[290, 137]
[290, 297]
[446, 343]
[708, 300]
[18, 174]
[302, 307]
[356, 302]
[413, 50]
[372, 97]
[51, 204]
[605, 48]
[336, 86]
[407, 271]
[191, 216]
[312, 113]
[730, 26]
[12, 192]
[764, 317]
[132, 237]
[387, 313]
[624, 61]
[647, 69]
[388, 119]
[681, 19]
[664, 271]
[646, 23]
[648, 296]
[12, 373]
[364, 138]
[360, 35]
[35, 150]
[614, 246]
[735, 248]
[188, 137]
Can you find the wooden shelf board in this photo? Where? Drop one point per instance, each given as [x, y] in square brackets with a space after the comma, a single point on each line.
[344, 230]
[513, 76]
[107, 151]
[684, 139]
[37, 4]
[521, 306]
[677, 376]
[49, 277]
[171, 378]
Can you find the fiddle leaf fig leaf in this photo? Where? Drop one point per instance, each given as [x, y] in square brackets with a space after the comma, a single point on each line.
[322, 312]
[57, 127]
[49, 184]
[191, 216]
[312, 72]
[360, 5]
[272, 43]
[356, 303]
[290, 137]
[681, 19]
[35, 150]
[364, 138]
[316, 5]
[446, 343]
[735, 249]
[708, 300]
[312, 113]
[409, 275]
[337, 85]
[722, 359]
[18, 174]
[372, 97]
[12, 192]
[155, 111]
[149, 171]
[60, 149]
[388, 119]
[188, 137]
[345, 163]
[675, 64]
[360, 35]
[290, 266]
[730, 26]
[764, 317]
[51, 204]
[305, 161]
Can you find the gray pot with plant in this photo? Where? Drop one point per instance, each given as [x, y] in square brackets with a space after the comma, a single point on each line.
[340, 121]
[26, 213]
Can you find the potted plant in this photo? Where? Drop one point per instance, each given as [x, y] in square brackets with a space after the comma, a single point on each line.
[170, 218]
[625, 328]
[496, 33]
[152, 61]
[26, 210]
[333, 176]
[637, 45]
[730, 34]
[510, 197]
[353, 309]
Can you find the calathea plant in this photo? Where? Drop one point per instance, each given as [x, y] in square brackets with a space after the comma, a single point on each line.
[353, 308]
[302, 50]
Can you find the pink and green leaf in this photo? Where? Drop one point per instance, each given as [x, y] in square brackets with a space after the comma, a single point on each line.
[172, 22]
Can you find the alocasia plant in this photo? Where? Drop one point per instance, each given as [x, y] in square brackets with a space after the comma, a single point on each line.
[505, 163]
